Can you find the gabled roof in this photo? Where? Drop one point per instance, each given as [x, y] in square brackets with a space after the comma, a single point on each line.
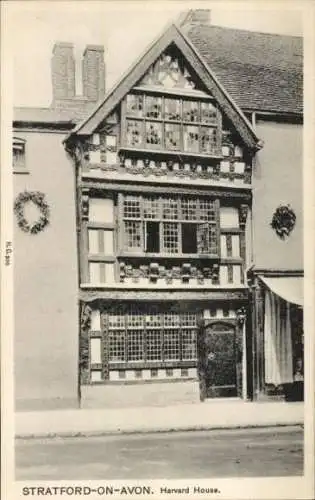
[260, 71]
[169, 36]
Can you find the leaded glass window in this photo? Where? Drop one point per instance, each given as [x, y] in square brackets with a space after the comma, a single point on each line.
[173, 124]
[147, 336]
[134, 133]
[174, 226]
[172, 109]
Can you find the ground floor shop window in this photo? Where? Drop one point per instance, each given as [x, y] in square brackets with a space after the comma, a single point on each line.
[147, 337]
[283, 346]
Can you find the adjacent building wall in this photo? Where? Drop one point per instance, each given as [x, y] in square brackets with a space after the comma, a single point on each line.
[278, 179]
[45, 282]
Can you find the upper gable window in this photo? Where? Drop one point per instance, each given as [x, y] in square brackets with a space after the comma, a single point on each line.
[172, 124]
[18, 155]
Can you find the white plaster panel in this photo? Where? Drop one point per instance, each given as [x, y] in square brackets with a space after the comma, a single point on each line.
[95, 320]
[223, 246]
[101, 210]
[93, 241]
[237, 275]
[235, 245]
[95, 350]
[95, 156]
[96, 375]
[223, 275]
[228, 217]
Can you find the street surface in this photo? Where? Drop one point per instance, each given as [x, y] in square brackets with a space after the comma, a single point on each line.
[194, 454]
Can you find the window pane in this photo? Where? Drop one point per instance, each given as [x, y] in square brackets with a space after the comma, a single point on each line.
[207, 239]
[153, 319]
[171, 319]
[172, 136]
[172, 109]
[189, 344]
[191, 139]
[154, 345]
[132, 235]
[135, 345]
[153, 107]
[135, 105]
[170, 237]
[206, 210]
[150, 208]
[135, 319]
[208, 113]
[116, 320]
[18, 156]
[134, 133]
[189, 319]
[153, 134]
[191, 111]
[189, 209]
[170, 209]
[116, 346]
[189, 238]
[208, 140]
[171, 345]
[132, 207]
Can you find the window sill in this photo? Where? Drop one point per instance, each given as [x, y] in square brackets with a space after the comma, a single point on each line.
[170, 152]
[21, 170]
[178, 256]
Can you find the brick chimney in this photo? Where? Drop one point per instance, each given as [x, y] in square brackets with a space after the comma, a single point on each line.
[195, 17]
[63, 71]
[93, 72]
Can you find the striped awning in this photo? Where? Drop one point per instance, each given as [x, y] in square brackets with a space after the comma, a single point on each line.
[289, 288]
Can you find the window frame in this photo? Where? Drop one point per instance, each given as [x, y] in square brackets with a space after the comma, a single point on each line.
[178, 218]
[19, 143]
[183, 329]
[164, 121]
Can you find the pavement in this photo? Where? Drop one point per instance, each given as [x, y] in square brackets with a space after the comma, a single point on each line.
[207, 415]
[229, 453]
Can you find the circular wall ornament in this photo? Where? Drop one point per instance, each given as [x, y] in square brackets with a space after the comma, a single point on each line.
[283, 221]
[38, 199]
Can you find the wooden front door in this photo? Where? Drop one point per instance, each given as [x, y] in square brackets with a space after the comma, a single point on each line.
[220, 363]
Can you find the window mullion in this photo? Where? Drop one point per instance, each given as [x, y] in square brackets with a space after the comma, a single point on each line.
[179, 226]
[217, 219]
[126, 337]
[162, 337]
[180, 337]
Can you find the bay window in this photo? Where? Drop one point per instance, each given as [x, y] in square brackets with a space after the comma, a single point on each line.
[169, 225]
[171, 124]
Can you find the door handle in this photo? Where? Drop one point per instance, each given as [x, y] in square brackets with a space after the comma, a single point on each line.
[211, 356]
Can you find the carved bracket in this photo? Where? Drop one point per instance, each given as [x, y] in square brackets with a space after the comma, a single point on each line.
[85, 204]
[242, 214]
